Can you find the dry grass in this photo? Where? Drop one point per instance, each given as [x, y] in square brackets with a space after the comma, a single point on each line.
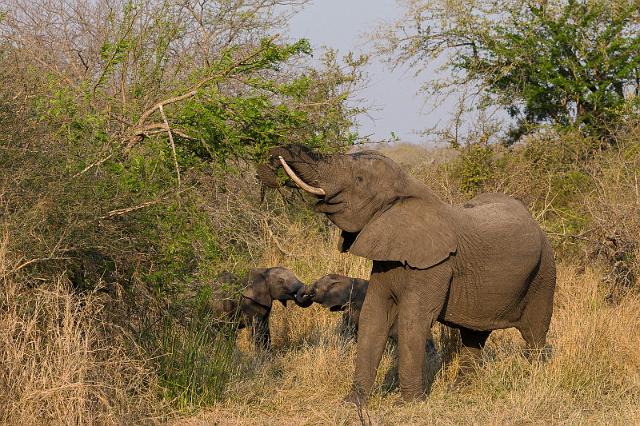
[414, 155]
[61, 363]
[593, 376]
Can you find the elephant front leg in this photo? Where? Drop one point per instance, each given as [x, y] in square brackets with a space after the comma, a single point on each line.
[421, 294]
[414, 330]
[377, 315]
[260, 331]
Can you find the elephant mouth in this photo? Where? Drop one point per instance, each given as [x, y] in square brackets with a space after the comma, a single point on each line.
[337, 308]
[329, 209]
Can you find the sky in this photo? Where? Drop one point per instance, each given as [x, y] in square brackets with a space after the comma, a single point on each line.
[396, 106]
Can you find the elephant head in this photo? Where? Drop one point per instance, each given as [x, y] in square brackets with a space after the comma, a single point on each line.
[334, 291]
[264, 285]
[372, 200]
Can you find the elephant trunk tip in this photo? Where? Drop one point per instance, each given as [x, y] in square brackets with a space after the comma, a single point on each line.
[303, 299]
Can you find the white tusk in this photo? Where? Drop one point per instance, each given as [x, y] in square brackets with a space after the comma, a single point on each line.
[300, 182]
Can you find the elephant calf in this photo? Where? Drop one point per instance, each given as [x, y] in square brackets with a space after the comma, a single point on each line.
[259, 288]
[338, 293]
[341, 293]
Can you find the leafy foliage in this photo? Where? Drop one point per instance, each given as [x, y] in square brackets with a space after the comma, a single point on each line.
[475, 168]
[564, 62]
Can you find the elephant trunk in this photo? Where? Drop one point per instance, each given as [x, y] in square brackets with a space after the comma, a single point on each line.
[303, 299]
[298, 181]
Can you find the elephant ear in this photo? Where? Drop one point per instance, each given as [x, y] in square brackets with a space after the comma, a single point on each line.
[257, 289]
[410, 231]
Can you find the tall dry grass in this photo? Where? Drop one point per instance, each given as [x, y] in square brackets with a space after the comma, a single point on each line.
[593, 376]
[62, 363]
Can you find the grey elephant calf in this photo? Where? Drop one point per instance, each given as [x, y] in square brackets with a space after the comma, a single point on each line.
[338, 293]
[346, 294]
[252, 307]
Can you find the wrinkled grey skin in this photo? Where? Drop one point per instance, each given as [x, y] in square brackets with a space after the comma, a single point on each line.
[260, 288]
[484, 266]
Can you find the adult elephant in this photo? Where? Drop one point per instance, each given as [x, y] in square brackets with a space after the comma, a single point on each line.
[483, 266]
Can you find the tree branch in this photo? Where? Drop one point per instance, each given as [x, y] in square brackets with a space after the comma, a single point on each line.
[173, 145]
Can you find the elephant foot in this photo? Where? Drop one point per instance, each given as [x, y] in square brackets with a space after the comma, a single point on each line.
[538, 354]
[356, 398]
[409, 398]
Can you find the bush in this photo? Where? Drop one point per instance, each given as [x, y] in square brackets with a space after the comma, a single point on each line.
[127, 163]
[581, 190]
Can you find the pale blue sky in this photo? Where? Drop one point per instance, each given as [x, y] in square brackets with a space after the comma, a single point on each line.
[341, 24]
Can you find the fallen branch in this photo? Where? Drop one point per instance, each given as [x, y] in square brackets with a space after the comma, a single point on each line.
[120, 212]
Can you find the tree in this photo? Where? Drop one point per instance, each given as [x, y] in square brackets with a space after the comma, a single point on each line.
[563, 62]
[129, 132]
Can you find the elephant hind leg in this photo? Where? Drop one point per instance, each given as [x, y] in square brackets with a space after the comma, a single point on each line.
[536, 316]
[471, 353]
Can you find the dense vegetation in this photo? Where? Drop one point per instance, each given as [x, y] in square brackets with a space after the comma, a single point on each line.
[572, 63]
[127, 132]
[130, 131]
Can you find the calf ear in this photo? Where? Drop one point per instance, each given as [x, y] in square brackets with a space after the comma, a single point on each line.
[257, 289]
[410, 231]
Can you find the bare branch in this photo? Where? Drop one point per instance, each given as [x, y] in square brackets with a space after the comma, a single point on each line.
[173, 145]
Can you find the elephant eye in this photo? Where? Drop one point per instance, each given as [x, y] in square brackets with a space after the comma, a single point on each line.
[359, 179]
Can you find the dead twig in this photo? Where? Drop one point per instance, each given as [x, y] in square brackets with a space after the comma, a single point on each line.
[580, 236]
[92, 165]
[32, 261]
[275, 240]
[172, 143]
[123, 211]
